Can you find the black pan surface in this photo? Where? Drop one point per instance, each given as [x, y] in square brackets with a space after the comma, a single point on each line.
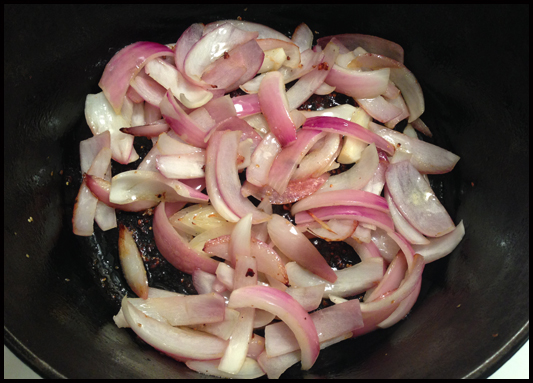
[60, 291]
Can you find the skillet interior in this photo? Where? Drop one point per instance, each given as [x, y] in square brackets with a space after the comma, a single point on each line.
[472, 63]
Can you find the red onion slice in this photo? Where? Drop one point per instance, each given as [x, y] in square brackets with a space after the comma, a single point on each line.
[295, 191]
[426, 158]
[357, 176]
[348, 128]
[268, 260]
[100, 118]
[291, 50]
[347, 197]
[403, 308]
[364, 250]
[358, 84]
[297, 247]
[416, 200]
[391, 280]
[286, 162]
[174, 247]
[442, 246]
[263, 31]
[303, 37]
[350, 281]
[135, 185]
[250, 369]
[307, 84]
[400, 76]
[123, 67]
[369, 43]
[380, 109]
[361, 214]
[212, 46]
[227, 178]
[131, 262]
[182, 342]
[402, 225]
[246, 105]
[317, 162]
[419, 125]
[184, 126]
[184, 44]
[262, 159]
[168, 144]
[288, 310]
[182, 166]
[150, 130]
[275, 108]
[148, 89]
[330, 322]
[309, 297]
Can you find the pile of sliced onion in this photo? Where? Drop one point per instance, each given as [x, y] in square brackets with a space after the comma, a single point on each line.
[220, 160]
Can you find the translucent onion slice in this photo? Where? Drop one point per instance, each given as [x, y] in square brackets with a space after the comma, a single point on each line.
[303, 37]
[358, 84]
[309, 297]
[402, 225]
[143, 185]
[150, 130]
[123, 67]
[174, 247]
[262, 159]
[416, 200]
[132, 263]
[330, 322]
[291, 50]
[182, 166]
[297, 247]
[288, 310]
[182, 342]
[350, 281]
[318, 161]
[442, 246]
[369, 43]
[348, 197]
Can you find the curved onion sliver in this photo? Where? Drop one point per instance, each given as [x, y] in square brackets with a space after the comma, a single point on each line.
[131, 262]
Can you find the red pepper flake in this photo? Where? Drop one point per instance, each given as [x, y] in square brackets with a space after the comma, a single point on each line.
[495, 335]
[398, 144]
[472, 183]
[288, 58]
[250, 273]
[226, 55]
[239, 17]
[323, 66]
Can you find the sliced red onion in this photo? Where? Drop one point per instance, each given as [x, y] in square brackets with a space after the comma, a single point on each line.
[403, 308]
[362, 234]
[203, 281]
[105, 216]
[150, 130]
[181, 123]
[262, 159]
[392, 91]
[442, 246]
[426, 158]
[334, 229]
[184, 44]
[250, 369]
[149, 89]
[134, 96]
[402, 225]
[275, 108]
[295, 191]
[372, 44]
[377, 182]
[380, 109]
[419, 125]
[361, 214]
[287, 160]
[297, 247]
[391, 280]
[196, 219]
[227, 178]
[169, 145]
[135, 185]
[330, 322]
[344, 111]
[402, 78]
[347, 197]
[357, 176]
[273, 60]
[100, 188]
[151, 113]
[348, 128]
[123, 67]
[131, 262]
[91, 147]
[168, 76]
[268, 260]
[246, 105]
[235, 123]
[182, 166]
[211, 46]
[182, 342]
[237, 66]
[400, 104]
[358, 84]
[100, 118]
[288, 310]
[183, 310]
[303, 37]
[316, 162]
[416, 200]
[222, 329]
[174, 247]
[306, 85]
[263, 31]
[308, 297]
[350, 281]
[225, 274]
[291, 50]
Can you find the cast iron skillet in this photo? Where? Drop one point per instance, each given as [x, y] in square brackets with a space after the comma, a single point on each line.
[472, 63]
